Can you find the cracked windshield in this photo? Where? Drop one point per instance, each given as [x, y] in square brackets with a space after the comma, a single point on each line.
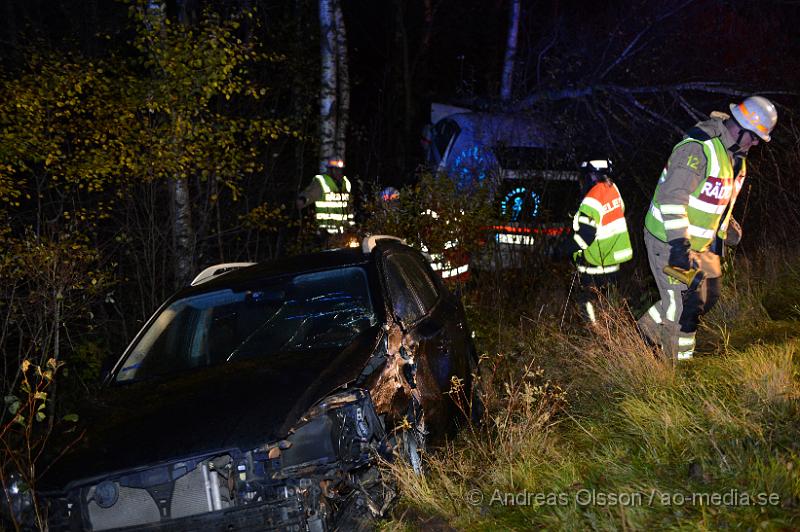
[320, 310]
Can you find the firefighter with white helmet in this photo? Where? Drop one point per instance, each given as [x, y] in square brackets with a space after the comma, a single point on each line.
[600, 241]
[755, 114]
[690, 220]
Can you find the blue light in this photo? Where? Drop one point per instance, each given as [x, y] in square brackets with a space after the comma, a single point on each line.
[513, 203]
[470, 167]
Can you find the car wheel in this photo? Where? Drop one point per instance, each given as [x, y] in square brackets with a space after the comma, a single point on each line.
[411, 439]
[366, 504]
[355, 516]
[477, 409]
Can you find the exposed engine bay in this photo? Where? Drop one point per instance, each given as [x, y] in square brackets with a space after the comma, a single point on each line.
[307, 481]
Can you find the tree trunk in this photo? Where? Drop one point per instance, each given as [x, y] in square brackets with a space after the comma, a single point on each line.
[182, 243]
[182, 234]
[298, 97]
[327, 93]
[511, 51]
[343, 81]
[51, 404]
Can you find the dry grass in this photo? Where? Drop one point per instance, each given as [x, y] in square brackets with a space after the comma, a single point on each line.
[598, 409]
[614, 357]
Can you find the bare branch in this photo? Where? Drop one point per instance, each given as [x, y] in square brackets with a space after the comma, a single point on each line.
[542, 53]
[711, 87]
[600, 117]
[630, 50]
[690, 109]
[657, 116]
[608, 107]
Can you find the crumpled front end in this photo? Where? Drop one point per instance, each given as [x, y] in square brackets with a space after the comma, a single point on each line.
[303, 482]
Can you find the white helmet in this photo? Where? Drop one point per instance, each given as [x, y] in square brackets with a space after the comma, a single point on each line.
[756, 114]
[600, 165]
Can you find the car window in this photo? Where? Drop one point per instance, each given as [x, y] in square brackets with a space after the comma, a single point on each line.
[405, 304]
[443, 132]
[311, 311]
[422, 280]
[411, 287]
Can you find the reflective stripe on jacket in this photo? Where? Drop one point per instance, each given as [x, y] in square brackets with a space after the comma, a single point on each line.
[334, 211]
[453, 263]
[700, 219]
[603, 209]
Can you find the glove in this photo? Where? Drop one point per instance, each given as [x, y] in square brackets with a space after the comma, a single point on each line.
[679, 254]
[567, 248]
[733, 234]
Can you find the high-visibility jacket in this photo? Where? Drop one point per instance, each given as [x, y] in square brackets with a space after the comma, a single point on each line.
[334, 212]
[602, 210]
[701, 218]
[453, 263]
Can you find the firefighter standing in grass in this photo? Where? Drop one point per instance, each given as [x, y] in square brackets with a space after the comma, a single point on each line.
[689, 220]
[331, 195]
[600, 240]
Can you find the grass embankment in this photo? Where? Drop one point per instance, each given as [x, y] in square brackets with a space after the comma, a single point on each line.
[624, 440]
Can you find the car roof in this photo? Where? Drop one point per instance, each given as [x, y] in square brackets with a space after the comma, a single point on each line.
[322, 260]
[492, 129]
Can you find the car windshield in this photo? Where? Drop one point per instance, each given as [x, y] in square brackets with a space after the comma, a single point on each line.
[321, 310]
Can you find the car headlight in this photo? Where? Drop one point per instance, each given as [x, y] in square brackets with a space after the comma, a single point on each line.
[342, 427]
[19, 499]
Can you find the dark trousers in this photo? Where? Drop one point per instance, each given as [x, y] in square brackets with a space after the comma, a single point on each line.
[698, 302]
[591, 286]
[672, 321]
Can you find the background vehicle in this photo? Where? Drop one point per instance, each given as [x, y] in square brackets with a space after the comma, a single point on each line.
[260, 397]
[530, 173]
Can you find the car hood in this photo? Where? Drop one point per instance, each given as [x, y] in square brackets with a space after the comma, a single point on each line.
[238, 405]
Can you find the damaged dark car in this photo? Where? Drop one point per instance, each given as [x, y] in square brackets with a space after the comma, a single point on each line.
[263, 396]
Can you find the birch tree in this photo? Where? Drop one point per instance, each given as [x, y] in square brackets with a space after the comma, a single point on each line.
[328, 105]
[193, 70]
[343, 81]
[182, 234]
[91, 151]
[180, 206]
[511, 51]
[334, 97]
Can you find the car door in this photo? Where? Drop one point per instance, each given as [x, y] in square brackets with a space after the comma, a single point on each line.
[432, 323]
